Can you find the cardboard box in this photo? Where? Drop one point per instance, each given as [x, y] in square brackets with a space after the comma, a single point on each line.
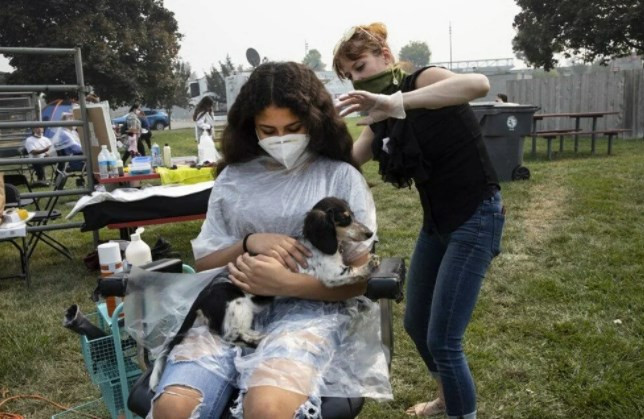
[100, 129]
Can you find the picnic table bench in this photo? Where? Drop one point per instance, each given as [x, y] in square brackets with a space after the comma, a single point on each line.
[550, 135]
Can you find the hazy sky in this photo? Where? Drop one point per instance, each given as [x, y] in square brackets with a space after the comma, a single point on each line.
[278, 29]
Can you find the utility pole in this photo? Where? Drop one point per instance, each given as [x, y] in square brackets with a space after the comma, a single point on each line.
[306, 47]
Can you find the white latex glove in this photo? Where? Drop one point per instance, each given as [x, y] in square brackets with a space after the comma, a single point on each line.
[379, 107]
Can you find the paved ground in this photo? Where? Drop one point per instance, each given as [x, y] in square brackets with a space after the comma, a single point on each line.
[182, 124]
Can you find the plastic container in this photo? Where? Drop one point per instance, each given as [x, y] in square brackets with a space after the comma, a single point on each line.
[103, 163]
[155, 152]
[167, 156]
[138, 252]
[503, 126]
[109, 258]
[141, 165]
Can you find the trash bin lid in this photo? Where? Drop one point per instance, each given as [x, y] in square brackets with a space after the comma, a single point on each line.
[493, 108]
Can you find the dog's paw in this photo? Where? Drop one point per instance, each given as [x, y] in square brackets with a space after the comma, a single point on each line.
[250, 338]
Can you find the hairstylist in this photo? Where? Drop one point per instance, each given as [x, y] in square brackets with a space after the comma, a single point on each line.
[421, 130]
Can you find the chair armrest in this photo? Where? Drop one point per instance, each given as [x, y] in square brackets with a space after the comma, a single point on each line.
[115, 285]
[387, 280]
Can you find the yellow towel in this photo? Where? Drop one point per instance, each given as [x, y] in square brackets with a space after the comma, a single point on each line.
[185, 175]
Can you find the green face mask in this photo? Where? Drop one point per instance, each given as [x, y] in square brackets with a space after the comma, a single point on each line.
[387, 82]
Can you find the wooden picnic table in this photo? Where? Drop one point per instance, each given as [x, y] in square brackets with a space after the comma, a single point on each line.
[595, 115]
[126, 178]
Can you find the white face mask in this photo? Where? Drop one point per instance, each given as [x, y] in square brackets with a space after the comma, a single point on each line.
[285, 149]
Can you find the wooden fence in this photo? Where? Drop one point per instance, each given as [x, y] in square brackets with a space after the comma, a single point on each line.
[602, 90]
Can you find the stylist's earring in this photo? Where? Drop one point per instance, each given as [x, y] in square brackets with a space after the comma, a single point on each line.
[393, 74]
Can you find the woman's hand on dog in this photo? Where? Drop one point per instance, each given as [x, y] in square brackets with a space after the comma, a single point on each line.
[285, 249]
[260, 275]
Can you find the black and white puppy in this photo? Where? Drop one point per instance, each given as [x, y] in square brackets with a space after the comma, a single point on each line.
[329, 228]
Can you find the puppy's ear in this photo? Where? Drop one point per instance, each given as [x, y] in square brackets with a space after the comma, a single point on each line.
[319, 229]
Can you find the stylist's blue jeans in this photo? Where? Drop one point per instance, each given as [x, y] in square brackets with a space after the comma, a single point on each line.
[444, 280]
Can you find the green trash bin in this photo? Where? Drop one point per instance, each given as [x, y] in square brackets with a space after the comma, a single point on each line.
[503, 126]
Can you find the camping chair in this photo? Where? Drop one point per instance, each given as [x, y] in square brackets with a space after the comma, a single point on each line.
[12, 198]
[18, 179]
[43, 217]
[384, 285]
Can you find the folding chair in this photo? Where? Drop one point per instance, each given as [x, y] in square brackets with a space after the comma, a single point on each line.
[19, 179]
[24, 154]
[73, 170]
[43, 217]
[12, 198]
[9, 152]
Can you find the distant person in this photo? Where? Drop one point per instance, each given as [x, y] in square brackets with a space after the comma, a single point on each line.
[67, 143]
[500, 97]
[92, 98]
[146, 133]
[204, 117]
[39, 146]
[133, 130]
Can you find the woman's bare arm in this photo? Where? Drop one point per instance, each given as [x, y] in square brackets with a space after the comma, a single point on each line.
[261, 275]
[438, 88]
[362, 147]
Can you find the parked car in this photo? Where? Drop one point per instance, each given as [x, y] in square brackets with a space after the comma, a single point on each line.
[157, 119]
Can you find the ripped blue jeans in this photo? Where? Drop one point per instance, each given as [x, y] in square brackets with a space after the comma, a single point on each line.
[443, 283]
[216, 388]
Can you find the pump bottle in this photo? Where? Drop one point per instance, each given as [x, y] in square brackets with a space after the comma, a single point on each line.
[138, 252]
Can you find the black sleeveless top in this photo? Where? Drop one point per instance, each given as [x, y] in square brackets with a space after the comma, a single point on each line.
[442, 152]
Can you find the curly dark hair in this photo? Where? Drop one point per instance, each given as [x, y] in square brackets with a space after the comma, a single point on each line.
[285, 85]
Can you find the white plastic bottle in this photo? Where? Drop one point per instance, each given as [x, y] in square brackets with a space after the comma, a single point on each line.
[112, 166]
[104, 163]
[138, 252]
[155, 151]
[167, 156]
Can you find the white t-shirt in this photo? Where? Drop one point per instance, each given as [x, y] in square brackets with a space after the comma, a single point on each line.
[38, 143]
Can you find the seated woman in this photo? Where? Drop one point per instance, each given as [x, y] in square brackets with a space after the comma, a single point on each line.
[67, 143]
[285, 148]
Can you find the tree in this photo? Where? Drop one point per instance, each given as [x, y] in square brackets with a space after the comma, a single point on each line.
[176, 93]
[215, 79]
[215, 83]
[313, 60]
[127, 46]
[415, 52]
[592, 30]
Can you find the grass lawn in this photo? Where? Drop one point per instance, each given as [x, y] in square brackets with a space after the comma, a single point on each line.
[545, 340]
